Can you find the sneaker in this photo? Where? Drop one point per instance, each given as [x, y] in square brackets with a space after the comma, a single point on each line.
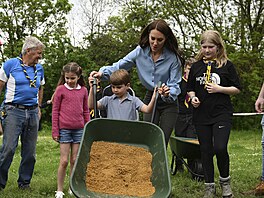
[226, 188]
[59, 194]
[210, 190]
[24, 186]
[70, 192]
[259, 190]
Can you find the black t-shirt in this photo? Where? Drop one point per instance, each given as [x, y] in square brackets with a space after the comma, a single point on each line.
[214, 107]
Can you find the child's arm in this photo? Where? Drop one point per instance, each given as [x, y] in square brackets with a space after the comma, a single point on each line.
[90, 99]
[163, 90]
[148, 108]
[91, 96]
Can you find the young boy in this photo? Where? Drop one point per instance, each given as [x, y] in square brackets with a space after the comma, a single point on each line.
[121, 105]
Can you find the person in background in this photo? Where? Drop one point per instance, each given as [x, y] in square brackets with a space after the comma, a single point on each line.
[212, 79]
[259, 106]
[22, 78]
[184, 126]
[69, 115]
[157, 59]
[121, 105]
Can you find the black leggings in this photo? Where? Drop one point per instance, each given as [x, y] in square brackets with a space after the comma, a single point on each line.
[213, 140]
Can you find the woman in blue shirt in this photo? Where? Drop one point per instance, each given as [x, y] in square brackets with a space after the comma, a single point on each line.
[157, 59]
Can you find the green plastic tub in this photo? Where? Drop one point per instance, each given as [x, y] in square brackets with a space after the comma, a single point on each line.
[134, 133]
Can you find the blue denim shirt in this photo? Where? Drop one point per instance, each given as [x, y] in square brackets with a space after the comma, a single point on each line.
[167, 69]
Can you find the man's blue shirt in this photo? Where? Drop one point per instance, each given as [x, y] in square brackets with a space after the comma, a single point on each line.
[18, 88]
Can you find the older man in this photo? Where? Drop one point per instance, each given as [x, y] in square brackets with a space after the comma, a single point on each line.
[22, 78]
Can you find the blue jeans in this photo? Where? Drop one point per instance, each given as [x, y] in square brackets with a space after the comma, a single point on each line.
[23, 123]
[262, 143]
[71, 135]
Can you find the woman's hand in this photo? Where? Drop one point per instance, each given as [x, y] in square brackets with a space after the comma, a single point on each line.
[96, 74]
[164, 90]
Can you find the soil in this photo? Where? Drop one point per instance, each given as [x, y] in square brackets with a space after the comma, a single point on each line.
[119, 169]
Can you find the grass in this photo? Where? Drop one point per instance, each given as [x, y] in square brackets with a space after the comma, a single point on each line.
[245, 157]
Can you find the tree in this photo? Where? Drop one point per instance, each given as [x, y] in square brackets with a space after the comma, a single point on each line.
[20, 18]
[241, 24]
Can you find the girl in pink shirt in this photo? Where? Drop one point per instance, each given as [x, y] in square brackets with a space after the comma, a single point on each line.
[69, 115]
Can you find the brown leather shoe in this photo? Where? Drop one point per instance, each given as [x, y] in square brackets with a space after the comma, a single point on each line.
[259, 190]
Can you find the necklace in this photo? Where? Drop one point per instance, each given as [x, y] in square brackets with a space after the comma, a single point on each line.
[208, 78]
[32, 83]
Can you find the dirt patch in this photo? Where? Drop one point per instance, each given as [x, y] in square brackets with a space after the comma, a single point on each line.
[119, 169]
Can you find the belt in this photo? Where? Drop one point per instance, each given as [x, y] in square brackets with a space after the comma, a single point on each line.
[23, 106]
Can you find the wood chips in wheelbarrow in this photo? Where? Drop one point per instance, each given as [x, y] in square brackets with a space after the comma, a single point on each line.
[119, 169]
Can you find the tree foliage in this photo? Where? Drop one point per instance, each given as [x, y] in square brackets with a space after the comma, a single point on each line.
[240, 22]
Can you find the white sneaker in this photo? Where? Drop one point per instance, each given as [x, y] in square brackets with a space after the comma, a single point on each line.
[70, 192]
[59, 194]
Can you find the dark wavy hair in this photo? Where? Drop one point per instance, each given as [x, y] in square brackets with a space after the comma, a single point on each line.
[171, 42]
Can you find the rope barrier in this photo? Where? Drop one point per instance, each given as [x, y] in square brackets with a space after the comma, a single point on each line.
[247, 114]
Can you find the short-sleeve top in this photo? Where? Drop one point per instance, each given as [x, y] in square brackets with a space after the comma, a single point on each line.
[121, 110]
[18, 88]
[214, 107]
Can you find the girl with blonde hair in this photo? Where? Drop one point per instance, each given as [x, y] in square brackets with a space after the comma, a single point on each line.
[212, 79]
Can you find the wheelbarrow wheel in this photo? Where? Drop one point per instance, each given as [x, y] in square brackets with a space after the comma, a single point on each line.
[197, 170]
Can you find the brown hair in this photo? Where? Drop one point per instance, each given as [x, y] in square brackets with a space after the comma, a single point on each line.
[120, 77]
[171, 42]
[213, 36]
[74, 68]
[189, 62]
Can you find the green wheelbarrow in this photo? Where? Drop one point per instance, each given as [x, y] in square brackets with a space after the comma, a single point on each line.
[134, 133]
[187, 148]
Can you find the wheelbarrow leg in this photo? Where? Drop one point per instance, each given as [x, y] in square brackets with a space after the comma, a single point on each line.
[173, 169]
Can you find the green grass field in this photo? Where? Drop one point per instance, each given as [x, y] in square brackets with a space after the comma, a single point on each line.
[245, 156]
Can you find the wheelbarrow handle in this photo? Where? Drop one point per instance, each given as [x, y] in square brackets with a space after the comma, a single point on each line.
[94, 97]
[155, 102]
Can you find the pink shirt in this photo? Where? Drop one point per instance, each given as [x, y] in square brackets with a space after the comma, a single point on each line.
[69, 109]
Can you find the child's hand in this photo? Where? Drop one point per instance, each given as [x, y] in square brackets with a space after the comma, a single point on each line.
[56, 138]
[164, 90]
[195, 102]
[90, 79]
[212, 88]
